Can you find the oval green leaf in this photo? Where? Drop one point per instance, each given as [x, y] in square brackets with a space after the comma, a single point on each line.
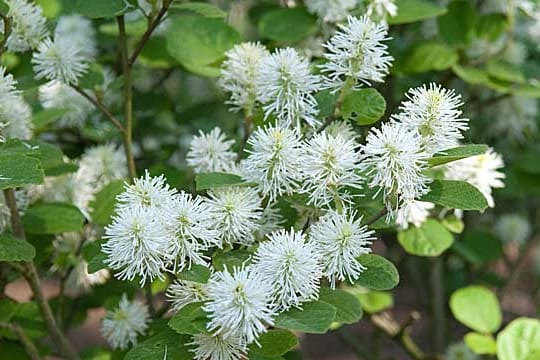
[380, 274]
[430, 239]
[477, 308]
[520, 340]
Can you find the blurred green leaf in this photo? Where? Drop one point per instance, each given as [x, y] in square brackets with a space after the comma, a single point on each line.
[478, 247]
[197, 273]
[215, 180]
[199, 43]
[230, 259]
[189, 320]
[315, 317]
[364, 106]
[477, 308]
[380, 273]
[375, 301]
[348, 309]
[481, 344]
[415, 10]
[458, 153]
[273, 343]
[200, 8]
[455, 195]
[428, 56]
[52, 218]
[13, 249]
[102, 206]
[287, 25]
[457, 26]
[166, 344]
[505, 71]
[519, 340]
[430, 239]
[492, 26]
[101, 8]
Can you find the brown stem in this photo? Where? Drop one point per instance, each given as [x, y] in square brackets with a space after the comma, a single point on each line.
[28, 345]
[30, 274]
[128, 97]
[148, 33]
[100, 107]
[7, 32]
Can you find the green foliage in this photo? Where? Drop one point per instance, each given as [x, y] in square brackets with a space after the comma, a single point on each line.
[287, 25]
[200, 8]
[375, 301]
[214, 180]
[103, 204]
[316, 317]
[197, 273]
[457, 27]
[380, 274]
[199, 43]
[430, 239]
[52, 218]
[230, 259]
[519, 340]
[165, 344]
[190, 320]
[47, 116]
[100, 8]
[415, 10]
[458, 153]
[94, 256]
[13, 249]
[274, 343]
[455, 195]
[478, 247]
[477, 308]
[481, 344]
[492, 26]
[365, 106]
[348, 309]
[18, 169]
[428, 56]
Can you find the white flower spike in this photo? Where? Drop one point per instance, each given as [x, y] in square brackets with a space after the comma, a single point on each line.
[286, 86]
[122, 326]
[183, 292]
[356, 55]
[59, 59]
[329, 164]
[218, 347]
[238, 304]
[29, 26]
[211, 152]
[331, 10]
[433, 112]
[340, 239]
[274, 160]
[239, 74]
[292, 265]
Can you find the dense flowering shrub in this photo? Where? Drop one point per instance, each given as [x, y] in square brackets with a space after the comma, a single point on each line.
[221, 177]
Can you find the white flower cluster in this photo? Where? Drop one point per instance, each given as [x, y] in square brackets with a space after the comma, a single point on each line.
[29, 26]
[15, 113]
[123, 325]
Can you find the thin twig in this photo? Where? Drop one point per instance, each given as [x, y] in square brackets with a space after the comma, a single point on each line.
[29, 272]
[148, 33]
[28, 345]
[100, 107]
[128, 97]
[7, 32]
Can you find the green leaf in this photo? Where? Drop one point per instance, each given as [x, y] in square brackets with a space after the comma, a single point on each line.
[214, 180]
[455, 195]
[48, 116]
[478, 247]
[200, 8]
[528, 162]
[348, 309]
[458, 153]
[415, 10]
[481, 344]
[274, 343]
[230, 259]
[477, 308]
[505, 71]
[199, 43]
[18, 170]
[380, 274]
[94, 256]
[453, 224]
[13, 249]
[103, 204]
[101, 8]
[375, 301]
[520, 340]
[197, 273]
[166, 344]
[365, 106]
[492, 26]
[93, 78]
[430, 239]
[471, 75]
[457, 27]
[326, 102]
[97, 263]
[287, 25]
[316, 317]
[52, 218]
[428, 56]
[52, 158]
[190, 320]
